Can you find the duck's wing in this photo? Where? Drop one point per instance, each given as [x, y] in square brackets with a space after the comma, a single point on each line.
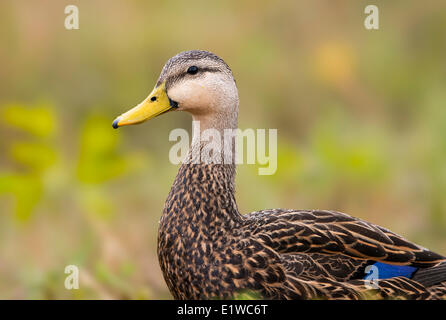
[318, 266]
[341, 277]
[333, 233]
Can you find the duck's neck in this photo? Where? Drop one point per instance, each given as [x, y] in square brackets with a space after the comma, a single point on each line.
[203, 191]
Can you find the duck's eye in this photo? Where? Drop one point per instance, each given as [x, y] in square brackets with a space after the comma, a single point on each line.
[192, 70]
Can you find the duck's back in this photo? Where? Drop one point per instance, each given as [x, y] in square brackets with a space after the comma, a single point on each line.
[334, 249]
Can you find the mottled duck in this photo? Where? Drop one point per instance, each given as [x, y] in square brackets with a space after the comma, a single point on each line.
[207, 249]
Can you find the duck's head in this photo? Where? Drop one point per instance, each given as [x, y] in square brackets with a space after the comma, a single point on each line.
[198, 82]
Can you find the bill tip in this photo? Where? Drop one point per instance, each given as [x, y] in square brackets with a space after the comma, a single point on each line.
[115, 123]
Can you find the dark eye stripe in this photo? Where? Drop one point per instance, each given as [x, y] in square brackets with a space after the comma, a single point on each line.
[195, 70]
[178, 77]
[209, 70]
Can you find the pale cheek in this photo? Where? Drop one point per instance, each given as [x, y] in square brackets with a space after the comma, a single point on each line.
[191, 96]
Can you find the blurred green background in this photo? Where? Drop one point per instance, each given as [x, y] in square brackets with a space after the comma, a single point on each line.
[361, 121]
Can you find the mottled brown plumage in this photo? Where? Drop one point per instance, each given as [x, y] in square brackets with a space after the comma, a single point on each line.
[207, 249]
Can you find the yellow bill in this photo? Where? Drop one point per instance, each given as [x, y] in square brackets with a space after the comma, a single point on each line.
[156, 103]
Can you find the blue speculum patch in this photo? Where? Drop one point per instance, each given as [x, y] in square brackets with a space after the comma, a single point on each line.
[386, 271]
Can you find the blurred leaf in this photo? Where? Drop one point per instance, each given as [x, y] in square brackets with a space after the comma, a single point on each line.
[290, 162]
[35, 155]
[27, 190]
[99, 161]
[39, 121]
[247, 295]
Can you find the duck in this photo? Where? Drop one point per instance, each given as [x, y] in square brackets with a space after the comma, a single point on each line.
[207, 249]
